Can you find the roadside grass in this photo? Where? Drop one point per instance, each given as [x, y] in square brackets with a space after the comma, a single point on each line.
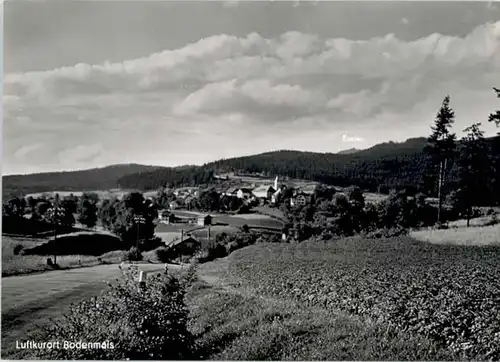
[236, 323]
[478, 235]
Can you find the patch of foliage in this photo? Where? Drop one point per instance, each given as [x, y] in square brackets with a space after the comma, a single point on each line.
[120, 217]
[133, 254]
[144, 323]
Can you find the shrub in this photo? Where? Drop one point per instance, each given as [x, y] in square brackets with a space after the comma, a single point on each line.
[387, 233]
[164, 255]
[133, 254]
[17, 249]
[135, 323]
[493, 220]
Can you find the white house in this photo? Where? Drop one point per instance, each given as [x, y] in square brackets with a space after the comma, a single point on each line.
[264, 192]
[300, 199]
[244, 193]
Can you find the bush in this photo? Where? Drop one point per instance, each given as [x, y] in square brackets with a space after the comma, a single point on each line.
[164, 255]
[17, 249]
[490, 212]
[137, 324]
[493, 220]
[133, 254]
[387, 233]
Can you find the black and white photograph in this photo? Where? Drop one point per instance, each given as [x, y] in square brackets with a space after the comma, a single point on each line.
[250, 180]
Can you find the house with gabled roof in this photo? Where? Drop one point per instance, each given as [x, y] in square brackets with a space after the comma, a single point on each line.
[232, 191]
[264, 192]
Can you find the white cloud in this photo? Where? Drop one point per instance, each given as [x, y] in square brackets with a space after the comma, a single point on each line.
[168, 102]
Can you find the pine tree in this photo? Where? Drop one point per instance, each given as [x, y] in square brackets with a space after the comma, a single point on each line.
[495, 117]
[441, 148]
[495, 160]
[473, 169]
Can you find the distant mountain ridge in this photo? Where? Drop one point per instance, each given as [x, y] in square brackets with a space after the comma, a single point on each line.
[388, 164]
[81, 180]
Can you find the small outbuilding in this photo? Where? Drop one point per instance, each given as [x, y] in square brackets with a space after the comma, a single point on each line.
[205, 220]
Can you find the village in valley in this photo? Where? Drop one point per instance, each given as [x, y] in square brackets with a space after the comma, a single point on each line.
[258, 196]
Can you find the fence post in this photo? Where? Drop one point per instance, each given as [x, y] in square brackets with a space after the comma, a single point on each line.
[141, 281]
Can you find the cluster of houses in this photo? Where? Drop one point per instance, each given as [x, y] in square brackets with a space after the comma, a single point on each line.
[272, 193]
[262, 194]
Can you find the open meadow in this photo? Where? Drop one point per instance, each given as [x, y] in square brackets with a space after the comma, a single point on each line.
[460, 235]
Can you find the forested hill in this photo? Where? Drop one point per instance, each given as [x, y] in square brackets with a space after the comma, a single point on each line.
[387, 163]
[93, 179]
[379, 168]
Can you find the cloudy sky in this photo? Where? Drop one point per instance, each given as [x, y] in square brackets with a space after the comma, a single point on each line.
[93, 83]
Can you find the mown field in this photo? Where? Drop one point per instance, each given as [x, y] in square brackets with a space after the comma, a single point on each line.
[447, 294]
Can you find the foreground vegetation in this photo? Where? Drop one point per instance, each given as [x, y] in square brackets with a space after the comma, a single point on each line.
[238, 324]
[211, 317]
[448, 294]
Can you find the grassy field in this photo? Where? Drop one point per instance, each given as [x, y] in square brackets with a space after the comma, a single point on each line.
[25, 264]
[232, 322]
[478, 235]
[445, 294]
[270, 211]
